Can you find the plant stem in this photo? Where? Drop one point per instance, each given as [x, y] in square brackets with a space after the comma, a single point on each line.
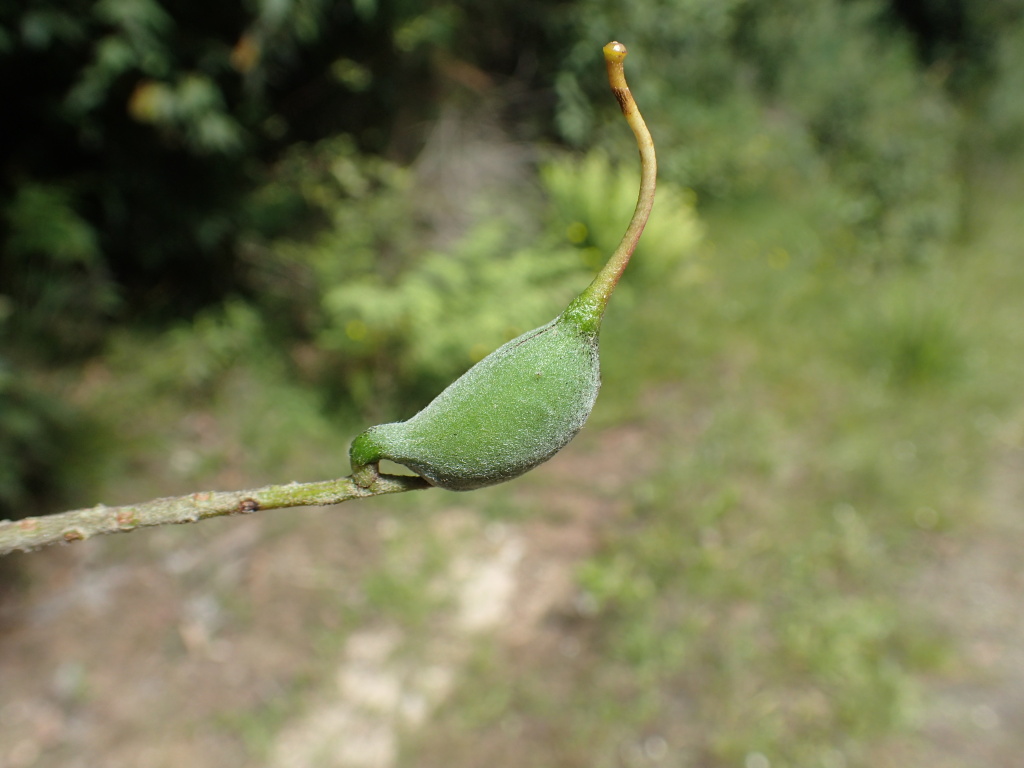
[31, 533]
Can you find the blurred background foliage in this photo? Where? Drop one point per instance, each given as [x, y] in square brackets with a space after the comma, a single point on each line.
[311, 158]
[297, 217]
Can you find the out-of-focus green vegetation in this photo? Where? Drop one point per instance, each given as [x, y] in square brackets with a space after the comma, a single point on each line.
[811, 437]
[161, 161]
[230, 238]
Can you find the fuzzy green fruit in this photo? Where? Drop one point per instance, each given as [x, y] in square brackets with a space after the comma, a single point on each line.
[522, 403]
[508, 413]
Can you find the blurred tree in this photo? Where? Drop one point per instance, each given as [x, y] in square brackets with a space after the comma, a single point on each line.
[135, 131]
[139, 140]
[959, 37]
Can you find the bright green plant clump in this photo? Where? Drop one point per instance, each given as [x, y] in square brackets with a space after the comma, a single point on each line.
[522, 403]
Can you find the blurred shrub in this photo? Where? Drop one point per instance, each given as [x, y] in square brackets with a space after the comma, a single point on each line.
[886, 130]
[591, 202]
[1002, 110]
[450, 310]
[392, 318]
[46, 449]
[742, 94]
[47, 237]
[191, 359]
[212, 401]
[687, 80]
[327, 215]
[399, 320]
[331, 217]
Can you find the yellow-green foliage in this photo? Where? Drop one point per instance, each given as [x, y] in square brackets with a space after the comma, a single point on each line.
[448, 310]
[592, 199]
[401, 317]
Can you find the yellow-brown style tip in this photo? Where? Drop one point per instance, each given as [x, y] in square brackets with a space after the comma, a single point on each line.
[614, 56]
[614, 52]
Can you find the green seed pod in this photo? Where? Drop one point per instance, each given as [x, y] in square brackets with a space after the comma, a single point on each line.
[522, 403]
[511, 411]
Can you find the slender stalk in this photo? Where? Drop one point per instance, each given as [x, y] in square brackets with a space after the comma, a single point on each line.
[588, 308]
[77, 525]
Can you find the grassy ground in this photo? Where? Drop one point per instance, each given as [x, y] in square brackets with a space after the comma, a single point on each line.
[755, 555]
[814, 435]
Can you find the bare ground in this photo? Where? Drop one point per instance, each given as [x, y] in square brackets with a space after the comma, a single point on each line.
[239, 642]
[974, 716]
